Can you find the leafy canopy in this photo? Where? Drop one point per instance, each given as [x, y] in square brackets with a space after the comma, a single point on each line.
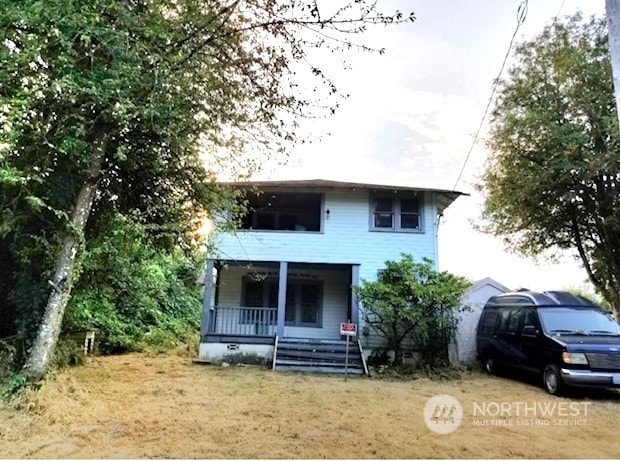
[553, 175]
[127, 109]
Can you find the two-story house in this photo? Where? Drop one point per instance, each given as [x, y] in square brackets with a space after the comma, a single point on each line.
[279, 288]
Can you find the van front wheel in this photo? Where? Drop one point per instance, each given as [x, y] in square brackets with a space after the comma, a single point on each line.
[552, 380]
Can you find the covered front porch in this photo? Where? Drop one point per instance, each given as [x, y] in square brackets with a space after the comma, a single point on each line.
[248, 304]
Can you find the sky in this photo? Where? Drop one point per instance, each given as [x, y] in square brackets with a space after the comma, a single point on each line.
[412, 115]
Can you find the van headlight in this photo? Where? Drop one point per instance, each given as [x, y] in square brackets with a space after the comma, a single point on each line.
[574, 358]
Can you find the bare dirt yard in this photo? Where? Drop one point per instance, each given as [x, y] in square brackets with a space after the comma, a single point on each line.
[137, 406]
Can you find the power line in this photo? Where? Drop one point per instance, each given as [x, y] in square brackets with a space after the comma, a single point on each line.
[521, 15]
[558, 13]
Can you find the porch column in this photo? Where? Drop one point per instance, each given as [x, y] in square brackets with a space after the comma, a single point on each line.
[282, 297]
[206, 300]
[355, 281]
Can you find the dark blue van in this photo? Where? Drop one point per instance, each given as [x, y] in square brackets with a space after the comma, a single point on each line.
[566, 339]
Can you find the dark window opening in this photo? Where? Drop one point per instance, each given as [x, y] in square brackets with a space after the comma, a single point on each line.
[489, 318]
[396, 212]
[259, 294]
[384, 213]
[283, 211]
[303, 301]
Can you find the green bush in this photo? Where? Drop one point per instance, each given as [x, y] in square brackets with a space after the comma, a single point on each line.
[68, 352]
[134, 296]
[9, 351]
[14, 385]
[413, 301]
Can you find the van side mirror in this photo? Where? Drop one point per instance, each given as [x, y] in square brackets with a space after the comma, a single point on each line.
[529, 330]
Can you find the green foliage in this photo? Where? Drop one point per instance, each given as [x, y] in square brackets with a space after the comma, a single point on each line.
[412, 300]
[14, 386]
[8, 356]
[167, 95]
[67, 352]
[552, 179]
[134, 295]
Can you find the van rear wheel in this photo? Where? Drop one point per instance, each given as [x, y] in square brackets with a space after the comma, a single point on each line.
[552, 380]
[490, 365]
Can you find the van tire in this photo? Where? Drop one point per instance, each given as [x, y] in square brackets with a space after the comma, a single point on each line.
[552, 380]
[490, 364]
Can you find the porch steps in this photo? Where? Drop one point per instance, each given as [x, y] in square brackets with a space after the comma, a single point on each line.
[317, 356]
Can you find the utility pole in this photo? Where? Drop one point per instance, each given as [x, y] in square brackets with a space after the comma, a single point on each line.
[613, 22]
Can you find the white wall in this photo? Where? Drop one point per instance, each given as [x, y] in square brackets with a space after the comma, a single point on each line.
[346, 238]
[475, 298]
[259, 354]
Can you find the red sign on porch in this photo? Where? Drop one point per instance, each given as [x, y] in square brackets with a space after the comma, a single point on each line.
[348, 329]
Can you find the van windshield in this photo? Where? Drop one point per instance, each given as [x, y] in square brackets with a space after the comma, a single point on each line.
[567, 321]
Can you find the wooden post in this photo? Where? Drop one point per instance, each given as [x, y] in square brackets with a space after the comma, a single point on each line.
[613, 22]
[355, 281]
[282, 297]
[206, 300]
[346, 360]
[346, 356]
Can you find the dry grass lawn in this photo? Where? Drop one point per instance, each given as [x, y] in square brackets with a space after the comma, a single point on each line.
[138, 406]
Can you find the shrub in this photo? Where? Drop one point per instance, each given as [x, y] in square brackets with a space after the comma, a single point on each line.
[134, 295]
[412, 300]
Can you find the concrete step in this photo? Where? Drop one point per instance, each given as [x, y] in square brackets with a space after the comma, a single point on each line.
[322, 363]
[319, 369]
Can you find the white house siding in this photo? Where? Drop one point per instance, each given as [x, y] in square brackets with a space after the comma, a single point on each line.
[475, 298]
[335, 297]
[346, 239]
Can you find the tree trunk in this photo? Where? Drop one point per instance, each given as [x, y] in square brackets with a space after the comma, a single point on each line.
[615, 303]
[613, 21]
[41, 352]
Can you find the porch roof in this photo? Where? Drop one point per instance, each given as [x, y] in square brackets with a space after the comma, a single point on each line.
[295, 265]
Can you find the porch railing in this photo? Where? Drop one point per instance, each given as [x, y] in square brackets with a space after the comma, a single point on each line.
[243, 321]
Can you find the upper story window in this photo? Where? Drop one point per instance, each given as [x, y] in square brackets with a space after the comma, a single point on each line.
[283, 212]
[391, 212]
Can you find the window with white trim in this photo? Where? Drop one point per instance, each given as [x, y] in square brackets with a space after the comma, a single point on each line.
[396, 212]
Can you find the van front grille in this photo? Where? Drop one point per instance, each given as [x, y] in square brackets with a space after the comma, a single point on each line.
[604, 361]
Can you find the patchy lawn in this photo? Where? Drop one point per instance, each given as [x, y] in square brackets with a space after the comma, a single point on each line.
[137, 406]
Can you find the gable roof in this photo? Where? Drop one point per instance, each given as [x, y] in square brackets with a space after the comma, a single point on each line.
[487, 281]
[446, 196]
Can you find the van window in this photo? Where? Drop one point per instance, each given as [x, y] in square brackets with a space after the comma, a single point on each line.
[514, 322]
[489, 318]
[530, 319]
[504, 317]
[510, 321]
[592, 322]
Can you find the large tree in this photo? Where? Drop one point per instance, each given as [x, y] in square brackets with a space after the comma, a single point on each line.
[105, 105]
[552, 180]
